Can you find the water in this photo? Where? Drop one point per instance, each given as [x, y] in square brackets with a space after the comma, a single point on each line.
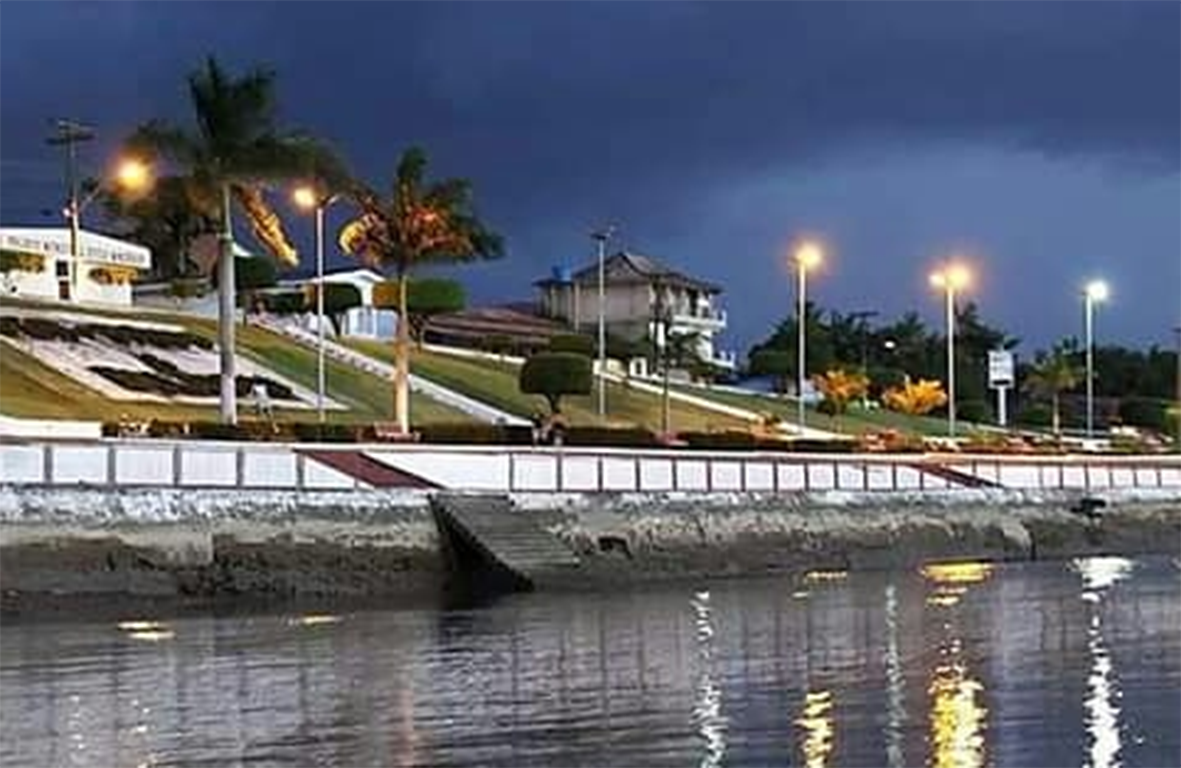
[1020, 665]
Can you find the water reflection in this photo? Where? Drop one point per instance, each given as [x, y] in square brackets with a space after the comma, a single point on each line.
[869, 670]
[1101, 703]
[817, 724]
[895, 694]
[958, 717]
[708, 710]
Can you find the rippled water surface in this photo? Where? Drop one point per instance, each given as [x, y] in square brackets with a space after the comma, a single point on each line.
[961, 665]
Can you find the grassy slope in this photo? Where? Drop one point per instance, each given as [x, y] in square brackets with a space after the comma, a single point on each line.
[30, 389]
[854, 422]
[495, 383]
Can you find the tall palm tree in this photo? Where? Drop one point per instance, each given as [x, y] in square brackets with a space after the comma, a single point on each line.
[419, 223]
[233, 151]
[1051, 375]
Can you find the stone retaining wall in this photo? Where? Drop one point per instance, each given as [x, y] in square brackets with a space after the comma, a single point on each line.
[167, 542]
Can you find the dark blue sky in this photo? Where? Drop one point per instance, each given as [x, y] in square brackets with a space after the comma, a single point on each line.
[1042, 140]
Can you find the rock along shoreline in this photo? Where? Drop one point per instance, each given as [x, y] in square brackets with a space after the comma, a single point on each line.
[90, 546]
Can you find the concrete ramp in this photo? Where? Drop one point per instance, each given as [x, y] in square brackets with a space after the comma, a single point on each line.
[487, 533]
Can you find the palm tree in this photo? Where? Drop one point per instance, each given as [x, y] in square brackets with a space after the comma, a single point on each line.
[233, 151]
[1051, 375]
[419, 223]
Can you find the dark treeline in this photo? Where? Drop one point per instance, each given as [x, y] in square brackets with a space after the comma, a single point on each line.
[1132, 386]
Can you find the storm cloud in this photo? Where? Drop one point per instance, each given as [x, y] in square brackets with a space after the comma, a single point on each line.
[710, 132]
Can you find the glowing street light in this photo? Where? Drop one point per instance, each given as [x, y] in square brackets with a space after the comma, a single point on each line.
[310, 199]
[1095, 292]
[808, 256]
[951, 279]
[133, 175]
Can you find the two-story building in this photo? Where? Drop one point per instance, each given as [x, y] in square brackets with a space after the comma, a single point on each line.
[635, 288]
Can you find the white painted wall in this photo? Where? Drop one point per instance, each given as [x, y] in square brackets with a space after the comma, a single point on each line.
[483, 469]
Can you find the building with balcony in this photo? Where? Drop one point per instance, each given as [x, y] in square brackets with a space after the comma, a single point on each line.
[636, 289]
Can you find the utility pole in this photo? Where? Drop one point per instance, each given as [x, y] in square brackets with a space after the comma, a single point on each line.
[1177, 446]
[69, 134]
[602, 236]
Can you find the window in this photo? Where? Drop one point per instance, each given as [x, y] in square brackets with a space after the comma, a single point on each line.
[63, 269]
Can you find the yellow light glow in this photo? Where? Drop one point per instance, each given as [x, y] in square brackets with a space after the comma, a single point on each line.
[133, 174]
[953, 277]
[1097, 290]
[304, 197]
[958, 719]
[809, 255]
[817, 723]
[957, 573]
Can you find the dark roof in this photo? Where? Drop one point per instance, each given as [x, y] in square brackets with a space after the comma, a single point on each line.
[504, 320]
[625, 267]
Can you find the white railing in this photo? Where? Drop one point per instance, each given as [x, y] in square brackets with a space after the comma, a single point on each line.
[200, 464]
[699, 316]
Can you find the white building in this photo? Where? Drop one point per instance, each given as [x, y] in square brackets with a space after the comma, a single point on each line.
[635, 287]
[365, 321]
[37, 264]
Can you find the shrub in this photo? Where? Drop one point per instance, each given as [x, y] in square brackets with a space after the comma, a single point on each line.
[1035, 415]
[915, 397]
[575, 343]
[776, 363]
[327, 433]
[479, 434]
[554, 375]
[809, 445]
[430, 296]
[975, 411]
[732, 440]
[286, 303]
[839, 387]
[628, 437]
[1144, 412]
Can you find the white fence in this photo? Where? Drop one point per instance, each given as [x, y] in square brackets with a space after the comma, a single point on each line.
[151, 463]
[173, 465]
[584, 470]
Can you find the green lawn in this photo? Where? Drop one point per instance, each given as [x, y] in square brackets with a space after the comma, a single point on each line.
[30, 389]
[854, 422]
[495, 383]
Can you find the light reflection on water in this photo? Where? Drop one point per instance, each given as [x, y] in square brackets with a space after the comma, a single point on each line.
[959, 664]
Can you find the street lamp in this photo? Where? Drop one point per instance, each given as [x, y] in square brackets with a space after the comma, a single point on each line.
[951, 279]
[602, 236]
[807, 257]
[310, 199]
[130, 174]
[1095, 292]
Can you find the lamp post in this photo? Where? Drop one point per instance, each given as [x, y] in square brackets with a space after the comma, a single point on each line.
[1095, 292]
[807, 256]
[602, 236]
[951, 279]
[309, 199]
[131, 174]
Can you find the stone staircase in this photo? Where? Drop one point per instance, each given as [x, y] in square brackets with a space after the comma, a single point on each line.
[505, 540]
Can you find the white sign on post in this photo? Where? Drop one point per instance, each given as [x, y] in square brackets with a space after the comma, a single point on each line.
[1000, 377]
[1000, 369]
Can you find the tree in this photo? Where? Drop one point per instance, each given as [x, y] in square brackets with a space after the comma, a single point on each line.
[915, 398]
[1052, 374]
[234, 148]
[339, 298]
[427, 297]
[166, 220]
[554, 375]
[775, 363]
[839, 387]
[419, 223]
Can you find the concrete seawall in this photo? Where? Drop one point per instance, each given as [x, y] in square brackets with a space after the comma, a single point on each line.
[178, 543]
